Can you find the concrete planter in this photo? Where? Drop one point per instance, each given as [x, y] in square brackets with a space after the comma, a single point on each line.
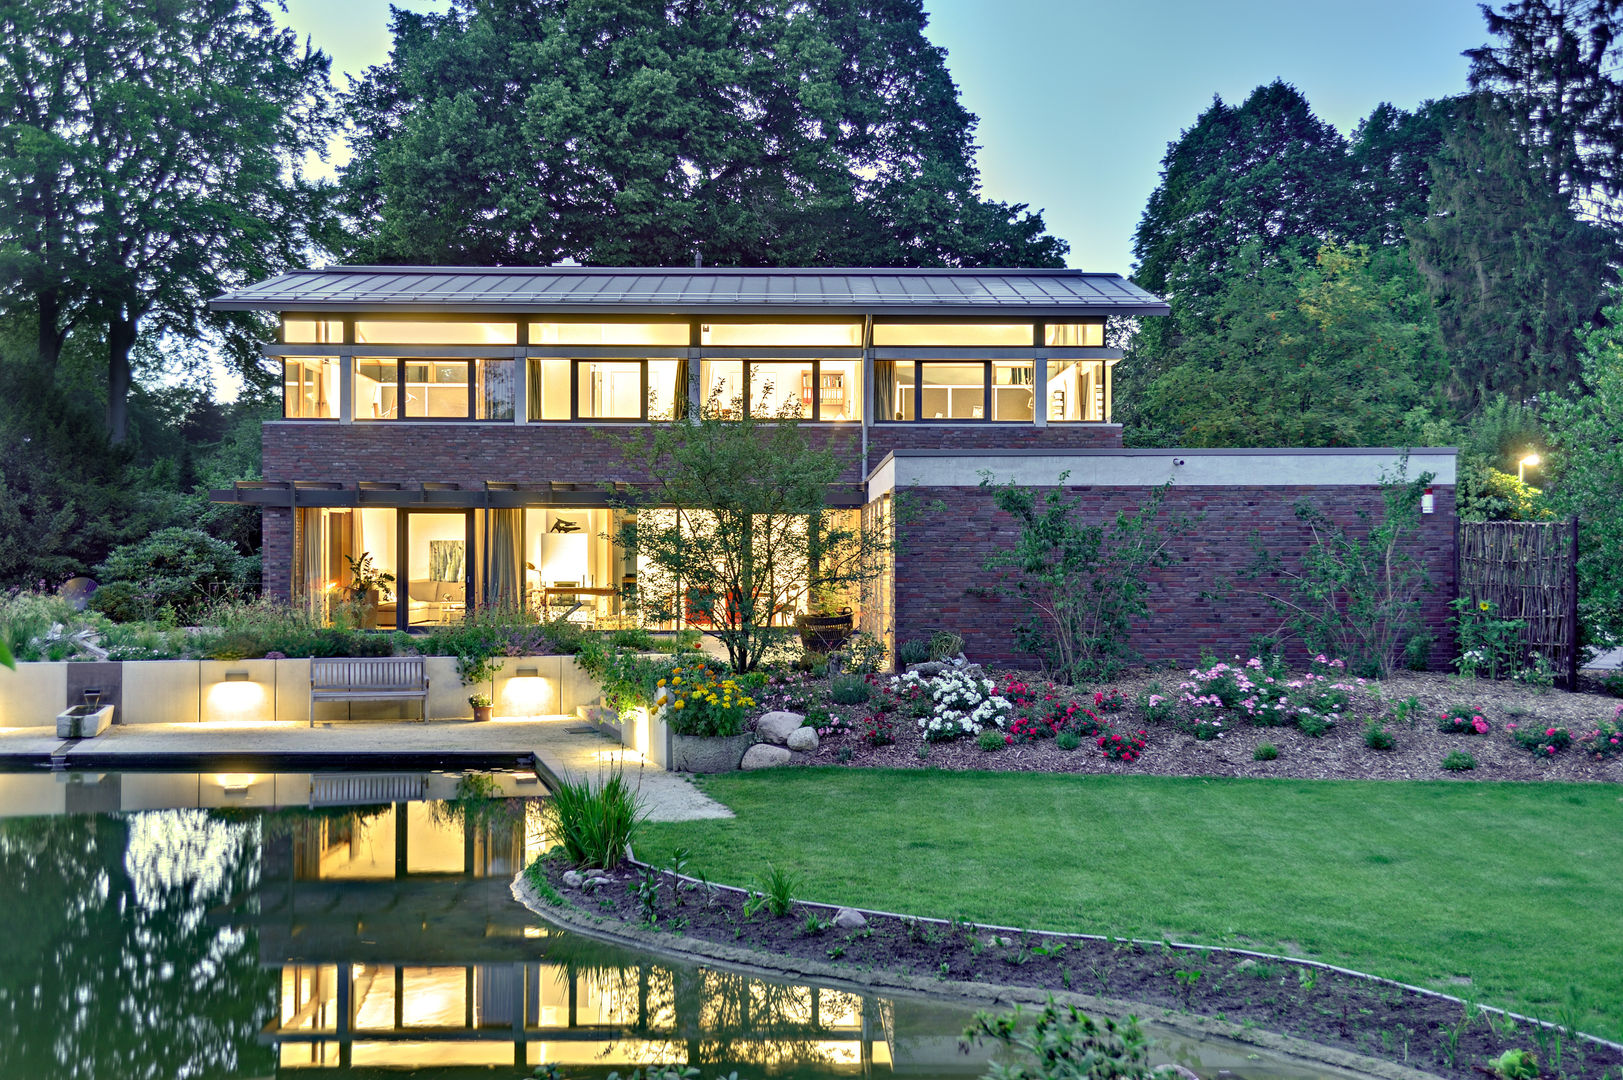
[709, 753]
[83, 721]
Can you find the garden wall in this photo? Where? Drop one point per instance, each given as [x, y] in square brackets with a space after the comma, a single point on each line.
[1199, 601]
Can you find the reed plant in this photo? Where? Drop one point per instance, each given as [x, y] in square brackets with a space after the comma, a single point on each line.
[593, 825]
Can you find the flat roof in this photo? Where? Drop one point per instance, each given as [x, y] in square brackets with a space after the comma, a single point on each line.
[695, 291]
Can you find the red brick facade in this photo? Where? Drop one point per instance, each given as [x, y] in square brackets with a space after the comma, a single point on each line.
[940, 575]
[883, 438]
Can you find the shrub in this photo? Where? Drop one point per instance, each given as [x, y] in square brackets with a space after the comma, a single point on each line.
[944, 645]
[916, 651]
[1067, 740]
[778, 890]
[991, 739]
[1488, 645]
[865, 654]
[1377, 737]
[1265, 752]
[1119, 747]
[960, 704]
[1257, 689]
[182, 570]
[1157, 707]
[1082, 584]
[701, 702]
[1084, 722]
[878, 730]
[1458, 761]
[1313, 725]
[629, 679]
[1110, 700]
[1463, 720]
[1612, 683]
[42, 626]
[593, 826]
[1607, 738]
[1543, 741]
[1201, 715]
[849, 690]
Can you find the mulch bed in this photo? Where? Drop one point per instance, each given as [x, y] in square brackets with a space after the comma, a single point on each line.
[1316, 1004]
[1339, 754]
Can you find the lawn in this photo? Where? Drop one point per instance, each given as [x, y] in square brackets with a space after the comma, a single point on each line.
[1513, 886]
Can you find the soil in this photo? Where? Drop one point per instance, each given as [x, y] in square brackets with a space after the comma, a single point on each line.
[1327, 1007]
[1339, 754]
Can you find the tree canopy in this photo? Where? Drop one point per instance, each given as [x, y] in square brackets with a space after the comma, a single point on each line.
[759, 132]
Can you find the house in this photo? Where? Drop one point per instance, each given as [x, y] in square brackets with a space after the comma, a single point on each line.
[442, 422]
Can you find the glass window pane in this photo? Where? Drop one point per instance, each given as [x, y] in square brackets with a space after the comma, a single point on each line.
[377, 395]
[894, 381]
[610, 389]
[310, 388]
[494, 396]
[954, 391]
[312, 331]
[782, 387]
[840, 387]
[667, 389]
[1013, 392]
[435, 589]
[1076, 391]
[782, 335]
[721, 386]
[424, 332]
[437, 388]
[673, 334]
[1018, 335]
[1088, 332]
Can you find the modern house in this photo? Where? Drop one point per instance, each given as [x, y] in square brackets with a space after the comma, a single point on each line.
[446, 422]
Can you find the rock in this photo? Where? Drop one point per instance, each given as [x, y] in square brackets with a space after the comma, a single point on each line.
[573, 879]
[764, 756]
[803, 738]
[929, 668]
[775, 727]
[998, 942]
[597, 872]
[849, 919]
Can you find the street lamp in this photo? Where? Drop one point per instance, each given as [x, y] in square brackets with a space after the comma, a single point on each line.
[1521, 467]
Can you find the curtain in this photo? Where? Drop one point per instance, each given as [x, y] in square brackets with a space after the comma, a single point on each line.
[884, 390]
[312, 560]
[679, 409]
[445, 560]
[533, 390]
[504, 574]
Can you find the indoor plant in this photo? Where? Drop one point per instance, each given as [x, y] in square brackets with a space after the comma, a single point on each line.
[366, 584]
[705, 713]
[482, 704]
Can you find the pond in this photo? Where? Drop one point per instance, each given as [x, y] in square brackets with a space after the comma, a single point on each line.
[253, 925]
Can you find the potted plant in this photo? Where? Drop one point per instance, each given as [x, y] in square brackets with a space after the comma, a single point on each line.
[482, 704]
[367, 584]
[705, 713]
[827, 624]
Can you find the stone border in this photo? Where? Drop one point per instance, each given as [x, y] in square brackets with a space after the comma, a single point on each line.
[769, 965]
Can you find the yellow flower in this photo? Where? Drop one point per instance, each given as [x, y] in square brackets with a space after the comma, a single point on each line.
[662, 682]
[677, 681]
[1485, 606]
[679, 704]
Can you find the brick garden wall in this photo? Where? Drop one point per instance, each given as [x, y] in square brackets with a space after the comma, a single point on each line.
[944, 550]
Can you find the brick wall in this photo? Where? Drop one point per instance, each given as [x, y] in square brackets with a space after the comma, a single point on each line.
[276, 552]
[883, 438]
[944, 549]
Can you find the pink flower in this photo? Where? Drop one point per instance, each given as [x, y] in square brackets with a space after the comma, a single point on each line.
[1550, 732]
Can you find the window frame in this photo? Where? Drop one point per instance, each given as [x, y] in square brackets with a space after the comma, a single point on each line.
[337, 406]
[468, 362]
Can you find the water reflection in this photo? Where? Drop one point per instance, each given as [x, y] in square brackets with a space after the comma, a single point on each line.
[271, 925]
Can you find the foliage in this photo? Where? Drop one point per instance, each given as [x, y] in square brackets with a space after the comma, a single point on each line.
[1067, 740]
[1463, 720]
[1157, 707]
[992, 739]
[1515, 1064]
[913, 651]
[247, 629]
[44, 626]
[958, 703]
[699, 701]
[1488, 646]
[1064, 1043]
[593, 825]
[1612, 683]
[1377, 737]
[103, 102]
[480, 700]
[1119, 747]
[864, 654]
[748, 520]
[1458, 761]
[1265, 751]
[878, 730]
[364, 576]
[1080, 584]
[510, 134]
[1355, 594]
[1606, 740]
[482, 637]
[849, 690]
[778, 886]
[1539, 739]
[181, 570]
[945, 645]
[1586, 476]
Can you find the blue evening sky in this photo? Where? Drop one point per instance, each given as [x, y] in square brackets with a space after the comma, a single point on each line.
[1078, 99]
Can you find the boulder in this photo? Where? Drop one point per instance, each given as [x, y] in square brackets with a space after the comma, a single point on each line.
[573, 879]
[765, 756]
[803, 739]
[849, 919]
[929, 668]
[774, 727]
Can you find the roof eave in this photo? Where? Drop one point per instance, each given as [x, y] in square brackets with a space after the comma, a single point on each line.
[226, 303]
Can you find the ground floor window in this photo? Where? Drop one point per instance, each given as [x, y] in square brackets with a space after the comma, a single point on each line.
[419, 564]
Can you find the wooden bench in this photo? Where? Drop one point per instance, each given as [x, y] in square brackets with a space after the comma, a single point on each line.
[368, 678]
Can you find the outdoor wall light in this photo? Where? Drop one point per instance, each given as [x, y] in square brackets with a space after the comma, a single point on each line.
[526, 694]
[236, 676]
[1531, 461]
[527, 673]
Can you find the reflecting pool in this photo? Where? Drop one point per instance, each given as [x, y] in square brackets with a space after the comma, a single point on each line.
[232, 925]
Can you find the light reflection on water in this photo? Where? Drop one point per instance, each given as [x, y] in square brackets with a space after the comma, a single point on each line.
[268, 925]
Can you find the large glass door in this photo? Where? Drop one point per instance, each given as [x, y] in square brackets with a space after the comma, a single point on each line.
[438, 564]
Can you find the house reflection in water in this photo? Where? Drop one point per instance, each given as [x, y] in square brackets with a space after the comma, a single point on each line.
[399, 946]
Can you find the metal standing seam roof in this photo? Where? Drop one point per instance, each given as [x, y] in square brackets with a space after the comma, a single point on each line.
[644, 290]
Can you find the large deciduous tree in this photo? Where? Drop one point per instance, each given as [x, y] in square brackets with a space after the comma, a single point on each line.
[150, 157]
[760, 132]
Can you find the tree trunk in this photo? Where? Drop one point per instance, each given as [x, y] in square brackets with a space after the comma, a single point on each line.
[51, 332]
[120, 339]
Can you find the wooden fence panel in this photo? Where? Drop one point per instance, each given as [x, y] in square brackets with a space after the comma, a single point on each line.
[1529, 571]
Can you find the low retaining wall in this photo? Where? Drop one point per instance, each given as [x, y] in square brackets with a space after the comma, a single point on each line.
[262, 691]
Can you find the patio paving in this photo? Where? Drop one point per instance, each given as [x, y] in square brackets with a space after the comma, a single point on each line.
[556, 746]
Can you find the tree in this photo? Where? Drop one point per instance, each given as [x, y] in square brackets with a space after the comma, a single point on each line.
[736, 526]
[763, 132]
[1586, 476]
[1333, 351]
[150, 158]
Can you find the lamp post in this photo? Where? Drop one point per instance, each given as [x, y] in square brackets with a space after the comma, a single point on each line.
[1521, 467]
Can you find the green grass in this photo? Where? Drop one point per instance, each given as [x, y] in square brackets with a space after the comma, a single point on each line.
[1515, 886]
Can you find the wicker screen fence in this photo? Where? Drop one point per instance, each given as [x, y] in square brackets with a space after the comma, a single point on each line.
[1528, 571]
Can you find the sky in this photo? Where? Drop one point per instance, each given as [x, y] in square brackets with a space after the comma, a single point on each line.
[1078, 99]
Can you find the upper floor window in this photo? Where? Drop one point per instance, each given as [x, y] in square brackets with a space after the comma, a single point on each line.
[948, 390]
[782, 335]
[561, 388]
[1078, 391]
[1014, 335]
[667, 334]
[310, 388]
[433, 389]
[297, 331]
[1088, 333]
[820, 390]
[434, 332]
